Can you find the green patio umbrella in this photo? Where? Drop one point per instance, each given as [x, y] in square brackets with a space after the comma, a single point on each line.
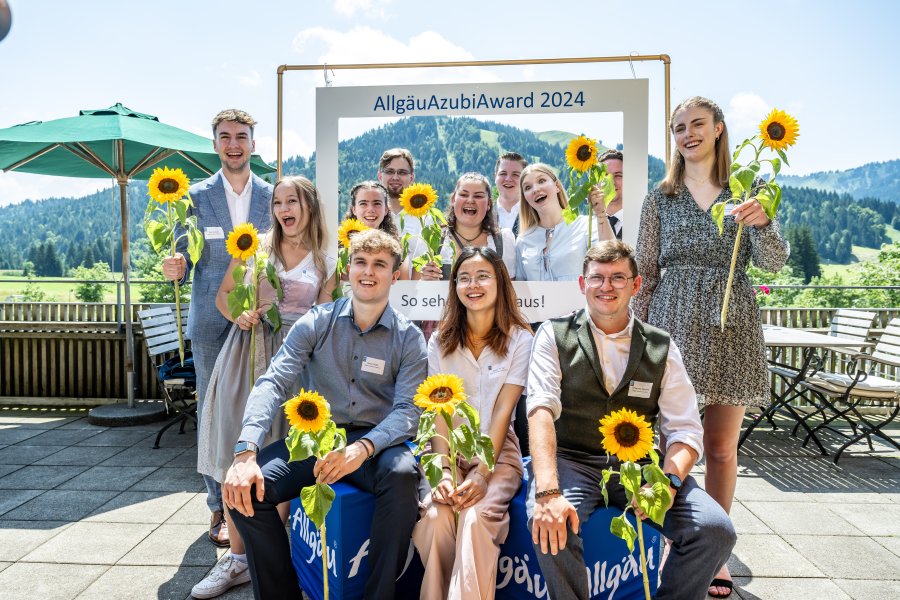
[111, 142]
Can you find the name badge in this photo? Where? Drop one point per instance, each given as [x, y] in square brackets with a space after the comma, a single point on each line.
[495, 371]
[729, 208]
[213, 233]
[309, 276]
[373, 365]
[640, 389]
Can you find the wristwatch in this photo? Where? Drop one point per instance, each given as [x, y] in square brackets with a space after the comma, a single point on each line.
[675, 481]
[242, 447]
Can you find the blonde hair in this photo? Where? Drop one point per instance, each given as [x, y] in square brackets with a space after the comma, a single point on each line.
[373, 241]
[316, 234]
[528, 216]
[674, 179]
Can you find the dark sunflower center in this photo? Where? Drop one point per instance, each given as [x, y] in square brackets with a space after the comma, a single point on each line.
[418, 201]
[308, 410]
[776, 131]
[245, 241]
[168, 186]
[441, 395]
[627, 434]
[583, 153]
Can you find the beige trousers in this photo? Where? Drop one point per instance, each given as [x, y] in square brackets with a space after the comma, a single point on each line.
[461, 563]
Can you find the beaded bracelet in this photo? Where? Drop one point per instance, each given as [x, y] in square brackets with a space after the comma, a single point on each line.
[550, 492]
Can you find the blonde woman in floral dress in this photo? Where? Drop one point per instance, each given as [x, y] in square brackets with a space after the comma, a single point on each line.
[684, 263]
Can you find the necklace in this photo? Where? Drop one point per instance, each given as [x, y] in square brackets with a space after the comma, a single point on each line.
[469, 241]
[294, 244]
[699, 181]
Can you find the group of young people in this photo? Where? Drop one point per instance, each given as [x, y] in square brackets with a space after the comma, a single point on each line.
[649, 317]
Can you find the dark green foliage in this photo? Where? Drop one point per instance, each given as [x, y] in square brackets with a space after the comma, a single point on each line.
[804, 257]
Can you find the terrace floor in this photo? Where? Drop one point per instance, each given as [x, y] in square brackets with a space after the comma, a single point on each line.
[94, 512]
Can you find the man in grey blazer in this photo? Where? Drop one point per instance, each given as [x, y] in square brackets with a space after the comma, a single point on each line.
[232, 196]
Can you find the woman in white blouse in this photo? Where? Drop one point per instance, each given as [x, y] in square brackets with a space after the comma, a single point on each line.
[485, 340]
[548, 248]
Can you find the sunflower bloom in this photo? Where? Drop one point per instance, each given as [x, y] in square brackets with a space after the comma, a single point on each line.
[307, 411]
[581, 154]
[168, 185]
[440, 393]
[418, 199]
[349, 227]
[779, 130]
[627, 435]
[243, 242]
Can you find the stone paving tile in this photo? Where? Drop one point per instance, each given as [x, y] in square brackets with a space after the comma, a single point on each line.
[872, 520]
[42, 581]
[139, 507]
[7, 469]
[242, 592]
[761, 555]
[3, 565]
[174, 545]
[25, 421]
[23, 454]
[40, 477]
[746, 522]
[867, 589]
[187, 459]
[772, 588]
[17, 434]
[13, 498]
[99, 543]
[171, 479]
[143, 456]
[115, 437]
[60, 437]
[81, 455]
[161, 583]
[18, 538]
[839, 556]
[891, 543]
[788, 518]
[194, 512]
[59, 505]
[107, 478]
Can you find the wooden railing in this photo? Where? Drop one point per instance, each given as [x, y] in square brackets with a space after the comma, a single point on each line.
[74, 353]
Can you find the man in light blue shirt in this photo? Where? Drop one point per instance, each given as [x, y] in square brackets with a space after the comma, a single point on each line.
[367, 361]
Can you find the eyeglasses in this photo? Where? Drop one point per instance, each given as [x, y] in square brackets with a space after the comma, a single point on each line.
[480, 279]
[618, 280]
[399, 172]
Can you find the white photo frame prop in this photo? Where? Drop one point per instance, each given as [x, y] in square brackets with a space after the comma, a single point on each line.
[538, 300]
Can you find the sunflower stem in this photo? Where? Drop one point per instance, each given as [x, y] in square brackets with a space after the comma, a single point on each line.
[734, 253]
[325, 562]
[643, 559]
[253, 300]
[177, 293]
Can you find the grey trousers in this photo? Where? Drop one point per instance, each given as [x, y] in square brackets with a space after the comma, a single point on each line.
[205, 356]
[701, 532]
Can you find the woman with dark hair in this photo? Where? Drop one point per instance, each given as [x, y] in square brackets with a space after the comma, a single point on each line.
[684, 263]
[369, 205]
[295, 245]
[484, 339]
[470, 222]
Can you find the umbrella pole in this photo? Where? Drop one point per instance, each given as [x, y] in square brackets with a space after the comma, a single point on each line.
[129, 332]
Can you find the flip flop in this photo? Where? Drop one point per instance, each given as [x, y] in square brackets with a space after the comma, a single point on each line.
[725, 583]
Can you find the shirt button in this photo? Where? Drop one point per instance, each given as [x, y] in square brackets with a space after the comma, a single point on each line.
[355, 358]
[353, 404]
[353, 380]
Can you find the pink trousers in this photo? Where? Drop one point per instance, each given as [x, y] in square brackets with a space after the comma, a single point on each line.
[461, 562]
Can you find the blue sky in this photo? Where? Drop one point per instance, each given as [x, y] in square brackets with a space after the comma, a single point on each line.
[827, 63]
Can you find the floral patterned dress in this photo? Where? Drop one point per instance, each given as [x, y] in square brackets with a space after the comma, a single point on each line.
[684, 264]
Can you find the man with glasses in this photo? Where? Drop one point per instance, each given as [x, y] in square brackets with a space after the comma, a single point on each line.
[507, 173]
[613, 161]
[583, 367]
[396, 172]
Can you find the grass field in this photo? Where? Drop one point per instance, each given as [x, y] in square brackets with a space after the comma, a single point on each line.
[58, 291]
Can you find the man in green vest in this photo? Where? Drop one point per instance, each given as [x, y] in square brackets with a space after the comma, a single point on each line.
[583, 367]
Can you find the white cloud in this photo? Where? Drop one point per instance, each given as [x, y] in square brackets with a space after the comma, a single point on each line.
[16, 187]
[293, 144]
[371, 8]
[744, 113]
[323, 45]
[251, 79]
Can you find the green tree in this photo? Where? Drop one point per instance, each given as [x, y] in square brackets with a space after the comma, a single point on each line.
[90, 290]
[884, 271]
[148, 266]
[804, 259]
[34, 292]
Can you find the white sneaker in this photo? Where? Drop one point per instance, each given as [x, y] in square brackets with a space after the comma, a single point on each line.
[227, 573]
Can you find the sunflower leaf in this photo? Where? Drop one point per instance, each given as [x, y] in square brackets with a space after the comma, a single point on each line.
[653, 474]
[623, 529]
[404, 243]
[300, 444]
[426, 430]
[157, 234]
[236, 302]
[340, 438]
[607, 473]
[717, 211]
[468, 411]
[272, 276]
[569, 215]
[744, 176]
[484, 450]
[431, 464]
[238, 274]
[437, 215]
[274, 317]
[654, 500]
[630, 478]
[783, 156]
[195, 242]
[464, 440]
[325, 438]
[317, 500]
[776, 166]
[181, 208]
[654, 456]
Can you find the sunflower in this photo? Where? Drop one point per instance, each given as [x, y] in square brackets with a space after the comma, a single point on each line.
[417, 199]
[441, 393]
[581, 153]
[779, 130]
[243, 242]
[168, 185]
[627, 435]
[307, 411]
[349, 227]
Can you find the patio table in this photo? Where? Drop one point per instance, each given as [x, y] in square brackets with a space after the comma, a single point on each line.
[816, 346]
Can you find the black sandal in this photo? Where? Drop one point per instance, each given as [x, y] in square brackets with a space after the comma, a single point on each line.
[725, 583]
